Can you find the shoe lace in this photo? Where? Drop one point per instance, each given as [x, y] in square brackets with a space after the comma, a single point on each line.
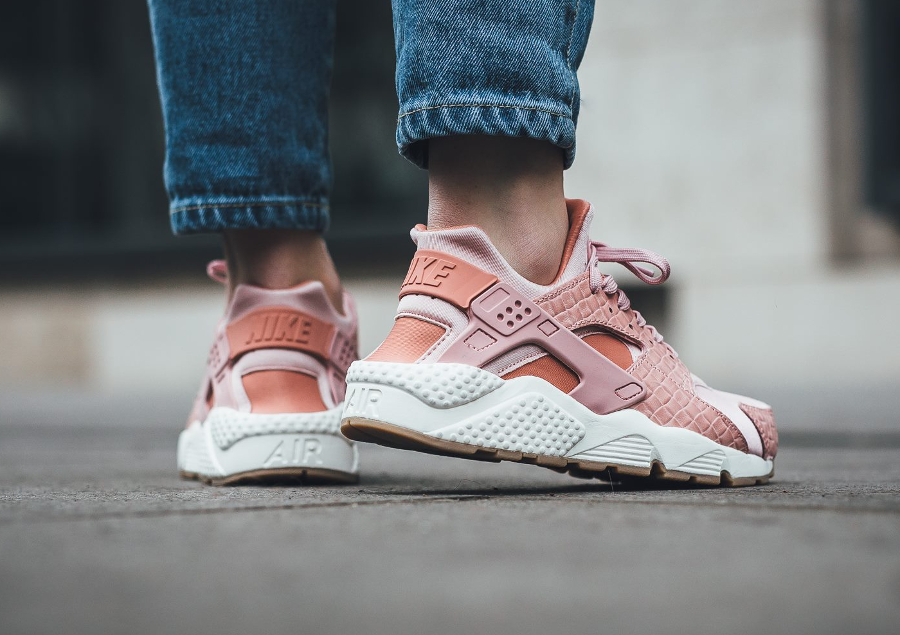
[627, 257]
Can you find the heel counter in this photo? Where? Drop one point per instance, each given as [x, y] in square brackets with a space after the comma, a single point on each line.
[279, 390]
[285, 350]
[282, 381]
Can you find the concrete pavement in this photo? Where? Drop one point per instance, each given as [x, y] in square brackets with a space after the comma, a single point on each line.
[97, 535]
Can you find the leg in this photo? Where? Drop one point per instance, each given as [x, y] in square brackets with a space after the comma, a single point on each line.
[502, 184]
[244, 89]
[280, 259]
[496, 127]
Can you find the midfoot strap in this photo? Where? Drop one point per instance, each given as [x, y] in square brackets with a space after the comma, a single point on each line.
[501, 320]
[444, 276]
[280, 327]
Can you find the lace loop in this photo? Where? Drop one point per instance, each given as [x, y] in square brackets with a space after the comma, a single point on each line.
[626, 257]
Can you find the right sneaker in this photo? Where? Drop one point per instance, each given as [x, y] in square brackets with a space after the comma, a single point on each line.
[484, 364]
[269, 407]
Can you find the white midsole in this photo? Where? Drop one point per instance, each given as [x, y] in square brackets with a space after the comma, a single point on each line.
[461, 403]
[230, 442]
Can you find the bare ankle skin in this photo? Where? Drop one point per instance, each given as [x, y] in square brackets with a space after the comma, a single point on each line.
[279, 259]
[512, 188]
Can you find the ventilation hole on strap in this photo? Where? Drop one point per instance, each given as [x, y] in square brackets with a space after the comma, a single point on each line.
[510, 324]
[509, 309]
[499, 316]
[527, 311]
[518, 303]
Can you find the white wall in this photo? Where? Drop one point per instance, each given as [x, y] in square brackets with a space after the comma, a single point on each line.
[703, 137]
[701, 132]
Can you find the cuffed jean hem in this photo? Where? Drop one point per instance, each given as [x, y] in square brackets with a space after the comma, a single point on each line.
[416, 126]
[215, 217]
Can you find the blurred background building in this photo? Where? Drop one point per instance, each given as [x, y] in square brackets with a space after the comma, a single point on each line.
[755, 143]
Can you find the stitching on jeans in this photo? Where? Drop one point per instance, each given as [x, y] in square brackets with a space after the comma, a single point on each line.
[549, 112]
[569, 53]
[189, 208]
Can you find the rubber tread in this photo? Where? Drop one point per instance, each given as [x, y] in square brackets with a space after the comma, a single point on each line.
[392, 436]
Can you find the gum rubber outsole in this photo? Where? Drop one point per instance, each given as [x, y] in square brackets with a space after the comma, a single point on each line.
[392, 436]
[280, 476]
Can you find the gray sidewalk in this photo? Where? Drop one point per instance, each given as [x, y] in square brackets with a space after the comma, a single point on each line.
[97, 535]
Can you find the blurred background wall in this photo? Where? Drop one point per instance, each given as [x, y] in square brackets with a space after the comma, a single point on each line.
[754, 143]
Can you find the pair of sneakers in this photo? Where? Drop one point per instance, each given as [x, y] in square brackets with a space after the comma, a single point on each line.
[481, 364]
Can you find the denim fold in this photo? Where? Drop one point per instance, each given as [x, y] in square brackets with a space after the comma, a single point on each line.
[416, 127]
[212, 217]
[491, 67]
[244, 87]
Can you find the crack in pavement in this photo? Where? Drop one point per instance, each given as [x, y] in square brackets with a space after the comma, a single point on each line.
[893, 510]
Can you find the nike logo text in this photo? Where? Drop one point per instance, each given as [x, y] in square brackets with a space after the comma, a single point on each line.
[280, 326]
[428, 270]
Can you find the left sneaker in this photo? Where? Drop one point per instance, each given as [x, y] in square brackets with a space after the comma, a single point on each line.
[483, 364]
[270, 403]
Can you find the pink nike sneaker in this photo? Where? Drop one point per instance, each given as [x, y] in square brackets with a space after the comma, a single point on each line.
[483, 364]
[270, 405]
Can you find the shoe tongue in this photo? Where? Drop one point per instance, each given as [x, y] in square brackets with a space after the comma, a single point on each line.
[472, 245]
[577, 248]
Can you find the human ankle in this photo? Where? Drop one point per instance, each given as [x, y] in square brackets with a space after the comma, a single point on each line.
[510, 187]
[280, 259]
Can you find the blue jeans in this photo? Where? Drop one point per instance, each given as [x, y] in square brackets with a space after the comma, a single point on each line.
[244, 90]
